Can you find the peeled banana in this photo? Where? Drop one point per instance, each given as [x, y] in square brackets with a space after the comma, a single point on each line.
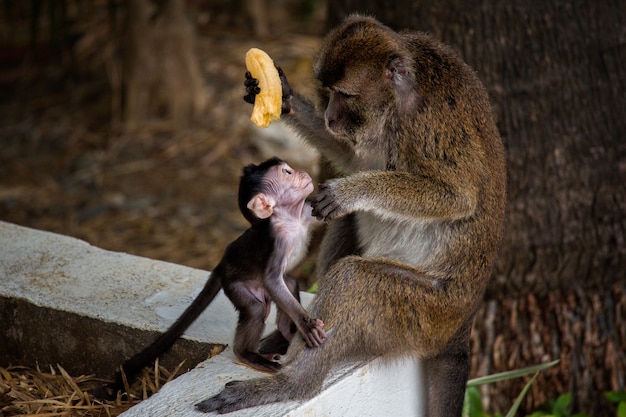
[268, 103]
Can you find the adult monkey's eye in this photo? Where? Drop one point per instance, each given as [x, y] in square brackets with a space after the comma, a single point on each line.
[344, 93]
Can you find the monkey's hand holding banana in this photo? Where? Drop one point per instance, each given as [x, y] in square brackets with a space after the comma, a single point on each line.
[267, 88]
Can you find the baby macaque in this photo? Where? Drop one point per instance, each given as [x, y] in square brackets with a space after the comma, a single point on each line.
[272, 197]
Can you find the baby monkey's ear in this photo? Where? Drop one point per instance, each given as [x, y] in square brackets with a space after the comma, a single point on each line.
[261, 206]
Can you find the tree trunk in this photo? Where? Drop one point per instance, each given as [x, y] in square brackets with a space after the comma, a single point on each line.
[556, 73]
[160, 72]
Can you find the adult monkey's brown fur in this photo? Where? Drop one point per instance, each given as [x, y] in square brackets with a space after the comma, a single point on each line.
[415, 224]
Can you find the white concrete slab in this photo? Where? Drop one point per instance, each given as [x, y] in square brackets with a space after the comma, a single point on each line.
[67, 274]
[377, 389]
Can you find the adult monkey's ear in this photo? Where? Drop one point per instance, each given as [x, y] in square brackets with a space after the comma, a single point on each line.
[261, 206]
[398, 71]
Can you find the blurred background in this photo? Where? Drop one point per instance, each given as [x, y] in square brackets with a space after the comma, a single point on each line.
[122, 123]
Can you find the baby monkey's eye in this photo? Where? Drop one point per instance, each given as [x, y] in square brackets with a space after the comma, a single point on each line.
[287, 171]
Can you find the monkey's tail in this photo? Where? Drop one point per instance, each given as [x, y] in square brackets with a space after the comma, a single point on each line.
[135, 364]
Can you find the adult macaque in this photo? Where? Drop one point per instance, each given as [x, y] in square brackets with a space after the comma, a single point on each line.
[415, 224]
[251, 272]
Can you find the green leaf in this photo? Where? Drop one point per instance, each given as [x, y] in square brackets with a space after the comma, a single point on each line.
[561, 405]
[504, 376]
[621, 409]
[521, 395]
[615, 396]
[472, 405]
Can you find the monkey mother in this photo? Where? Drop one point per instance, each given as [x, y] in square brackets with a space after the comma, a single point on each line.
[413, 226]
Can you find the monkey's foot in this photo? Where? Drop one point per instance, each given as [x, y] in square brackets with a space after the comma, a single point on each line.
[235, 396]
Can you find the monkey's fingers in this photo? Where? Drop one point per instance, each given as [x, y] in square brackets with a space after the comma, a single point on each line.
[252, 88]
[269, 97]
[316, 334]
[219, 403]
[250, 80]
[312, 340]
[326, 205]
[251, 84]
[319, 336]
[325, 209]
[210, 404]
[233, 397]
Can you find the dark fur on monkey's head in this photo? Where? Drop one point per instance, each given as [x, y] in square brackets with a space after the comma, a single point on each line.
[251, 184]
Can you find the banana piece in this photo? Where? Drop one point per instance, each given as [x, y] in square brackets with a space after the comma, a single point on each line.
[268, 103]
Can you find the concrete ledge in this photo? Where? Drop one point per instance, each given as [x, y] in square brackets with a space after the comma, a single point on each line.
[65, 301]
[375, 389]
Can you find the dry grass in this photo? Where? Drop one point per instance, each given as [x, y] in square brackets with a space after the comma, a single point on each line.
[36, 392]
